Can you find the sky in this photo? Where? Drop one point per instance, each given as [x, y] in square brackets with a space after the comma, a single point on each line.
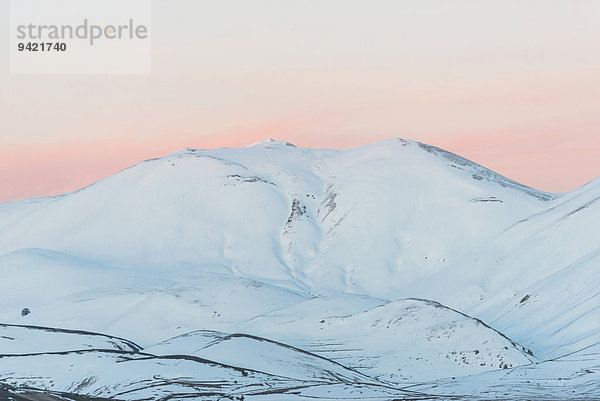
[512, 85]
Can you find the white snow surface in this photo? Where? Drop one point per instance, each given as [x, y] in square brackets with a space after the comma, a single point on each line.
[379, 272]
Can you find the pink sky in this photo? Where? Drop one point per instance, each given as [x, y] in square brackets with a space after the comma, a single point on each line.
[511, 85]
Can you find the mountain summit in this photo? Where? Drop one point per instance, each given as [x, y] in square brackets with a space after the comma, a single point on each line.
[366, 220]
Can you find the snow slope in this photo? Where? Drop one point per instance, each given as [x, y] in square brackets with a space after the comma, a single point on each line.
[538, 280]
[23, 340]
[242, 365]
[260, 354]
[399, 341]
[571, 377]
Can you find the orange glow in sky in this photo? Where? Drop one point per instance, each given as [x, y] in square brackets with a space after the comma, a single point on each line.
[513, 86]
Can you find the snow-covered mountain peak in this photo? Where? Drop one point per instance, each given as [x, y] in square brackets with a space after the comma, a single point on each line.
[394, 156]
[290, 216]
[271, 142]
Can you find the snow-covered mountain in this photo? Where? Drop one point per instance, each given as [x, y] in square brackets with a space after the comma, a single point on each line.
[336, 271]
